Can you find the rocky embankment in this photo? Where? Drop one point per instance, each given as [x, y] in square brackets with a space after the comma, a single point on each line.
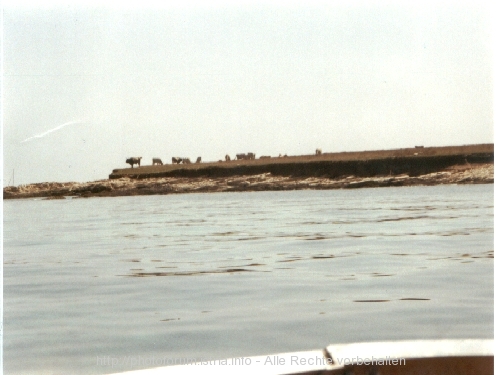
[480, 173]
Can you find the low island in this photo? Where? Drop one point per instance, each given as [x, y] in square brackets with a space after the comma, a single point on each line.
[469, 164]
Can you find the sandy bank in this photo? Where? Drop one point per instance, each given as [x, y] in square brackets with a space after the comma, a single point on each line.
[477, 173]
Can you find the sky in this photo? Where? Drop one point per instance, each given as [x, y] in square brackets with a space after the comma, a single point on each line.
[85, 86]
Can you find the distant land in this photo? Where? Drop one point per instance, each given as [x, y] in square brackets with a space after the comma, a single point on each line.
[468, 164]
[363, 164]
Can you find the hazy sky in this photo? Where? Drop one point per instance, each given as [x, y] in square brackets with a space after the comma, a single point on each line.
[85, 87]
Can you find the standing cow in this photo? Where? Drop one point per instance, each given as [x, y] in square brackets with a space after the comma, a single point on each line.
[198, 160]
[247, 156]
[176, 160]
[318, 152]
[157, 161]
[134, 160]
[228, 158]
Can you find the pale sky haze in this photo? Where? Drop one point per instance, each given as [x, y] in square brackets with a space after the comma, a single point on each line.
[85, 87]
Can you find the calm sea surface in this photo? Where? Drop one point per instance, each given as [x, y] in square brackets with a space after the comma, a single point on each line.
[101, 285]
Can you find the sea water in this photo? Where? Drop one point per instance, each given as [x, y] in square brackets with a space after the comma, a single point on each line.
[102, 285]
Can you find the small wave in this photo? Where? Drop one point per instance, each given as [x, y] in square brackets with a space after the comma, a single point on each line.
[317, 238]
[249, 238]
[225, 233]
[246, 265]
[186, 273]
[404, 218]
[323, 256]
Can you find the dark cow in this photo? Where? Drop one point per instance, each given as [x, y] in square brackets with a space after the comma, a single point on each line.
[228, 158]
[135, 160]
[157, 161]
[186, 161]
[318, 152]
[176, 160]
[265, 157]
[198, 159]
[248, 156]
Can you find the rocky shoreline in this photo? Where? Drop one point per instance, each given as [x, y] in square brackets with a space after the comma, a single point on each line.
[480, 173]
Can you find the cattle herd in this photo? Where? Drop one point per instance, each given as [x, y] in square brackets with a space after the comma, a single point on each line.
[179, 160]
